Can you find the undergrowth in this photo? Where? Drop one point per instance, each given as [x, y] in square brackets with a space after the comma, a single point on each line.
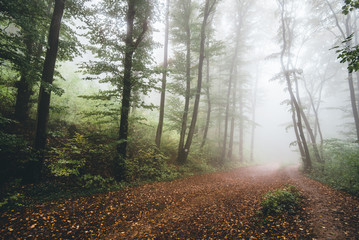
[286, 200]
[79, 166]
[341, 166]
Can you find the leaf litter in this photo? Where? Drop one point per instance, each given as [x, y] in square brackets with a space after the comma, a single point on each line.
[223, 205]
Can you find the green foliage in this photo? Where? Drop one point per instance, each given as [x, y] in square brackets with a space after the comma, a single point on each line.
[175, 107]
[78, 156]
[341, 167]
[149, 165]
[11, 201]
[12, 198]
[106, 34]
[196, 166]
[22, 33]
[74, 106]
[69, 159]
[349, 6]
[280, 201]
[91, 182]
[16, 157]
[200, 160]
[349, 54]
[24, 27]
[7, 90]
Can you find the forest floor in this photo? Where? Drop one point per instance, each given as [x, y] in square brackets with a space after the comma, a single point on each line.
[211, 206]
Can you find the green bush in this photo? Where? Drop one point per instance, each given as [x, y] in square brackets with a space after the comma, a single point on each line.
[78, 156]
[17, 159]
[149, 165]
[70, 158]
[7, 98]
[12, 198]
[280, 201]
[92, 182]
[341, 167]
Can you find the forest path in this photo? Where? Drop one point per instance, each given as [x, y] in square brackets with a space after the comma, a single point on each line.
[332, 214]
[210, 206]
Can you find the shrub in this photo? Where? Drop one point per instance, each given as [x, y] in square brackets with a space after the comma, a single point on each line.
[69, 159]
[149, 165]
[280, 200]
[17, 160]
[13, 198]
[341, 167]
[7, 98]
[79, 156]
[93, 182]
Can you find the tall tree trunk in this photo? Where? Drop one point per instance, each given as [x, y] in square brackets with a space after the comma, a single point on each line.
[356, 42]
[127, 85]
[317, 123]
[350, 75]
[307, 124]
[48, 76]
[181, 158]
[226, 116]
[241, 127]
[351, 85]
[24, 91]
[24, 86]
[233, 114]
[296, 132]
[209, 106]
[233, 66]
[353, 104]
[131, 45]
[254, 106]
[307, 161]
[164, 80]
[185, 151]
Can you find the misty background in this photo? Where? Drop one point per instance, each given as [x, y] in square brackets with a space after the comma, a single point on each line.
[272, 137]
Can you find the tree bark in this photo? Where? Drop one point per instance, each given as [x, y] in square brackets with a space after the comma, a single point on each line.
[254, 105]
[353, 103]
[351, 86]
[317, 123]
[307, 160]
[48, 76]
[209, 106]
[233, 115]
[350, 75]
[181, 158]
[241, 128]
[25, 86]
[296, 132]
[131, 46]
[307, 124]
[185, 151]
[233, 66]
[22, 99]
[164, 80]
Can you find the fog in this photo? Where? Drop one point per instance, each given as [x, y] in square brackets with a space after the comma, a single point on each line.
[272, 139]
[260, 40]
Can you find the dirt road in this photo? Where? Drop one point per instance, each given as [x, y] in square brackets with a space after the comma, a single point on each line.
[212, 206]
